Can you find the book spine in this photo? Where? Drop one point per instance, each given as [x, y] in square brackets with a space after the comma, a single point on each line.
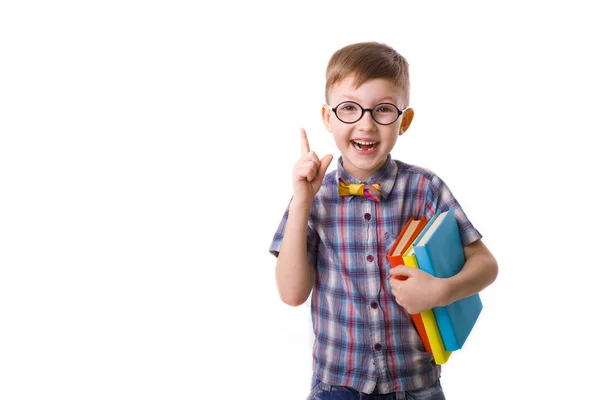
[445, 327]
[440, 355]
[441, 313]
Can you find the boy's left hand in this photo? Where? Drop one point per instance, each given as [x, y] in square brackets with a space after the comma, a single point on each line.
[419, 292]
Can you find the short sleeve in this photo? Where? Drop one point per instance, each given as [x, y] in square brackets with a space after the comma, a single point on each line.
[312, 239]
[440, 198]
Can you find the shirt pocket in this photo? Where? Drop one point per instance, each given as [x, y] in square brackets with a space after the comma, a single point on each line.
[389, 239]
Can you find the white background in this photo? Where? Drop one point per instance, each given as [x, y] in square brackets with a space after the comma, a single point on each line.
[145, 158]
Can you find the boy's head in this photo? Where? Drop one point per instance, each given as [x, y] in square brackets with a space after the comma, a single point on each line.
[366, 61]
[367, 94]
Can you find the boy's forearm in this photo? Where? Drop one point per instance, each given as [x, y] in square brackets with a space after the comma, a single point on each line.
[479, 271]
[293, 273]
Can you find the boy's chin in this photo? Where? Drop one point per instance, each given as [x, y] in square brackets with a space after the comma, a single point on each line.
[361, 168]
[362, 161]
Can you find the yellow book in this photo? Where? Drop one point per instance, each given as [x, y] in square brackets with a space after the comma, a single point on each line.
[440, 355]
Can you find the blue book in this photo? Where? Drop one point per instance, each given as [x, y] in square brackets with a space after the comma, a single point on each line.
[440, 252]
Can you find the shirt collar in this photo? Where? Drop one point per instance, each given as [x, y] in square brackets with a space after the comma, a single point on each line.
[385, 176]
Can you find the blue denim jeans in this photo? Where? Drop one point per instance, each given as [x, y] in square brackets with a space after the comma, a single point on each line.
[323, 391]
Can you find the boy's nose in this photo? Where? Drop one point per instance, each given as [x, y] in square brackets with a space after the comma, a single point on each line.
[366, 123]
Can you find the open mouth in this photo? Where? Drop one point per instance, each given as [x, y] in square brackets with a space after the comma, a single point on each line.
[363, 145]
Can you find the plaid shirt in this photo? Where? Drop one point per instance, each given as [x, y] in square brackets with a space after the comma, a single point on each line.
[363, 338]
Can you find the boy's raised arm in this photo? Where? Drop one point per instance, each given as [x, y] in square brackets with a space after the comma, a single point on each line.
[293, 273]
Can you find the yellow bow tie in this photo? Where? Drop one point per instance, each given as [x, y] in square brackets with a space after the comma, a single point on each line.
[370, 191]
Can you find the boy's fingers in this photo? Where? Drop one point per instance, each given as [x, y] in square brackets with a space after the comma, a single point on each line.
[401, 270]
[325, 161]
[304, 146]
[310, 174]
[407, 271]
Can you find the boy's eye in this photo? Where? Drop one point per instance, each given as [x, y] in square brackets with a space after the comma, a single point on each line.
[348, 107]
[383, 109]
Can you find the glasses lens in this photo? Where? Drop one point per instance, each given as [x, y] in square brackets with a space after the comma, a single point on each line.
[348, 112]
[385, 113]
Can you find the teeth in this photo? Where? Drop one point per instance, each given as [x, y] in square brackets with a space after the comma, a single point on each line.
[364, 143]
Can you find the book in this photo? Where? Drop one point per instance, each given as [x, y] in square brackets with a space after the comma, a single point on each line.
[439, 251]
[440, 354]
[409, 233]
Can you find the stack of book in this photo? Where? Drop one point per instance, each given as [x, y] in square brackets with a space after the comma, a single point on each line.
[435, 247]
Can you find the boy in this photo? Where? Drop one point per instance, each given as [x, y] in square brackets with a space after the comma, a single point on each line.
[333, 238]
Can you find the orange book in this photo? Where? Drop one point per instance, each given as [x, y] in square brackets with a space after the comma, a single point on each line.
[409, 233]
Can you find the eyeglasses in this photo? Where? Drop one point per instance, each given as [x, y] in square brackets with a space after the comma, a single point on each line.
[350, 112]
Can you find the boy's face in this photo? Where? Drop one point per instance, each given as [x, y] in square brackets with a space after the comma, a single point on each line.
[365, 144]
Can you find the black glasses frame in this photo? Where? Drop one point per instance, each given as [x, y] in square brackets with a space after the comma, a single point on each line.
[363, 110]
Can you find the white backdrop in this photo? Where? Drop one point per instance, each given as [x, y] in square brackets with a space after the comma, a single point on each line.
[145, 158]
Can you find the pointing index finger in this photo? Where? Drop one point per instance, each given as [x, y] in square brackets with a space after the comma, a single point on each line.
[304, 146]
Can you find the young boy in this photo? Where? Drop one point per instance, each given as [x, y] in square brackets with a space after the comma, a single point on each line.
[333, 239]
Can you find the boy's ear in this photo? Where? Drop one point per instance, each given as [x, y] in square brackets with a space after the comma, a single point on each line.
[326, 116]
[407, 117]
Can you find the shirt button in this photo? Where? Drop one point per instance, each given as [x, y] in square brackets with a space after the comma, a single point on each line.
[368, 216]
[377, 347]
[373, 304]
[370, 258]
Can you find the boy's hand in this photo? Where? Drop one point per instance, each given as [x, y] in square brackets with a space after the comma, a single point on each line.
[419, 292]
[308, 172]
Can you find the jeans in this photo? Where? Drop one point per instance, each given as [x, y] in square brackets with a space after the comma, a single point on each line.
[323, 391]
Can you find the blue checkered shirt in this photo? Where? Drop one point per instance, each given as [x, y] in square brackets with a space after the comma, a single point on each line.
[363, 338]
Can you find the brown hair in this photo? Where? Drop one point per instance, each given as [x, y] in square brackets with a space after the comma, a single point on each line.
[366, 61]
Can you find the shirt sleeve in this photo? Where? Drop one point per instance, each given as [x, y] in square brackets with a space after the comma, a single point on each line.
[440, 198]
[312, 239]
